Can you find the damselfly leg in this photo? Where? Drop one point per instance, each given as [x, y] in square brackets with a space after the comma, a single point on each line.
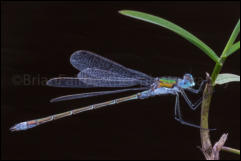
[178, 115]
[177, 110]
[190, 104]
[196, 91]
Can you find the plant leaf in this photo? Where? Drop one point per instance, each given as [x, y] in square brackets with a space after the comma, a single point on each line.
[173, 27]
[233, 48]
[226, 78]
[226, 50]
[231, 40]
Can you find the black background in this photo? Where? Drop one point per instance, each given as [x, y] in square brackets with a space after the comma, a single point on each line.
[37, 41]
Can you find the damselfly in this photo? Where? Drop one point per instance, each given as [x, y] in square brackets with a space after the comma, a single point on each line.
[97, 71]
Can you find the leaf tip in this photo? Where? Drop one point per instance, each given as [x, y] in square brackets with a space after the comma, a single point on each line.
[122, 11]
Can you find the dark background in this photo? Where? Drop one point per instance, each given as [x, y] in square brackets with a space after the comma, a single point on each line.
[37, 41]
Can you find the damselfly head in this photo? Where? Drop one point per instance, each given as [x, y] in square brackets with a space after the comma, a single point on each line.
[187, 81]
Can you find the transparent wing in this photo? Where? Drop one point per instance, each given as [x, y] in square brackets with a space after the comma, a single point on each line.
[112, 82]
[84, 59]
[103, 78]
[91, 94]
[98, 73]
[68, 82]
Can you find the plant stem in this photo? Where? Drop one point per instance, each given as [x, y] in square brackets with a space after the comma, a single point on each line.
[204, 133]
[216, 71]
[225, 52]
[209, 151]
[231, 150]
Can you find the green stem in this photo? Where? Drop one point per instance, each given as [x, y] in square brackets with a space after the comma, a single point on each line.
[216, 71]
[231, 150]
[219, 65]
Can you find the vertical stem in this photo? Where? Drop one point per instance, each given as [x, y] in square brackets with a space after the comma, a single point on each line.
[204, 132]
[215, 73]
[207, 149]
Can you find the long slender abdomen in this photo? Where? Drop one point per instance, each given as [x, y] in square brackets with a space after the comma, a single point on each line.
[33, 123]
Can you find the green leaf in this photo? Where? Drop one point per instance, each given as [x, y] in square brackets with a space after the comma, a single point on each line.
[226, 78]
[226, 50]
[173, 27]
[231, 40]
[233, 48]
